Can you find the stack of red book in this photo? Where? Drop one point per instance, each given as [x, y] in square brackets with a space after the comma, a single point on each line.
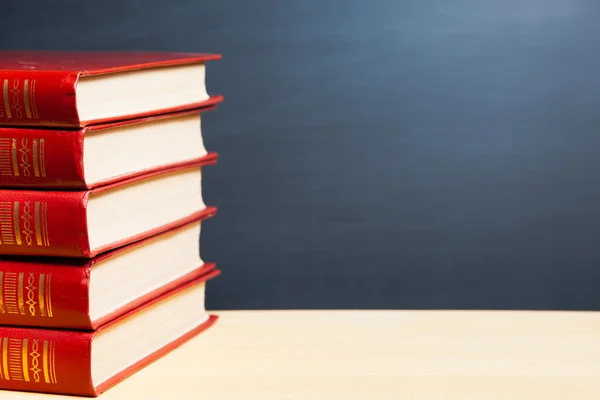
[101, 157]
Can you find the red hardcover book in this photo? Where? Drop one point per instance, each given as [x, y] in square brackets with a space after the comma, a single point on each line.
[87, 223]
[88, 363]
[83, 294]
[76, 89]
[89, 157]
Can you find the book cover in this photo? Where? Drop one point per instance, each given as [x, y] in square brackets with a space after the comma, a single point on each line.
[40, 88]
[57, 296]
[36, 157]
[57, 223]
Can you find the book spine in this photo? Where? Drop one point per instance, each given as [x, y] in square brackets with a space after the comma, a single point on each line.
[46, 360]
[41, 158]
[43, 223]
[44, 294]
[38, 98]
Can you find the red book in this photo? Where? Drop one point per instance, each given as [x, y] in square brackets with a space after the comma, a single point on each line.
[87, 223]
[85, 158]
[76, 89]
[88, 363]
[74, 293]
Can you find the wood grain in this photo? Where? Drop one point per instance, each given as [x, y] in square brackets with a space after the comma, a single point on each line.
[379, 355]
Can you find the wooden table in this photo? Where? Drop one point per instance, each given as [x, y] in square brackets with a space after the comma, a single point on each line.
[377, 355]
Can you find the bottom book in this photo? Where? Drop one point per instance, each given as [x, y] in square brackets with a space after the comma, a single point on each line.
[87, 363]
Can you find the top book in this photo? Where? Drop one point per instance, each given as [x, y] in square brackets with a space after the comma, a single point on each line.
[78, 89]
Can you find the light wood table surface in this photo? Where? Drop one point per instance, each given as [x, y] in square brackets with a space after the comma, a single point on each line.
[279, 355]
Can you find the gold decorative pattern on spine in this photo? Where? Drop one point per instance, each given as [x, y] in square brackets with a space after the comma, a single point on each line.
[38, 225]
[6, 223]
[33, 103]
[5, 157]
[48, 293]
[45, 223]
[16, 222]
[35, 362]
[2, 292]
[45, 355]
[15, 364]
[36, 167]
[14, 157]
[16, 99]
[26, 98]
[24, 150]
[21, 359]
[5, 358]
[24, 356]
[41, 296]
[5, 97]
[10, 293]
[26, 217]
[15, 163]
[52, 362]
[41, 224]
[1, 371]
[20, 293]
[42, 160]
[31, 293]
[1, 116]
